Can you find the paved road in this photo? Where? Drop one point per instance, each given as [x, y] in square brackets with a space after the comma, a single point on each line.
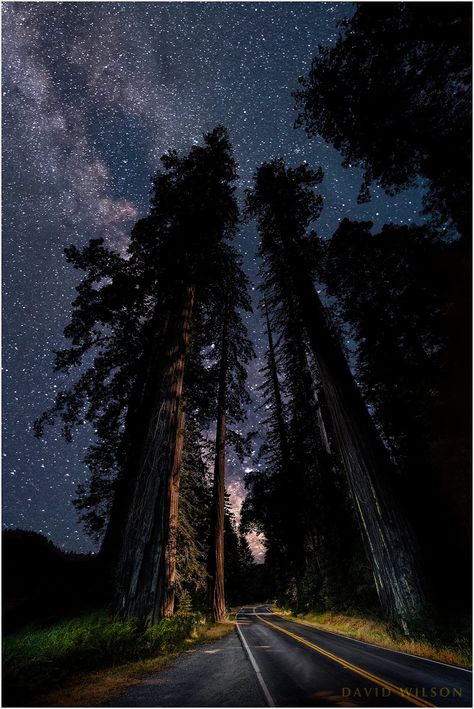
[217, 674]
[272, 661]
[303, 666]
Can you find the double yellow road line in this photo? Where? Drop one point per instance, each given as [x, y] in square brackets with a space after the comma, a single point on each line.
[399, 691]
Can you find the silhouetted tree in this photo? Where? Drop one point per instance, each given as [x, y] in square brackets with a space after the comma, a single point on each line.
[106, 317]
[271, 505]
[398, 292]
[285, 203]
[394, 95]
[239, 564]
[138, 313]
[234, 351]
[194, 210]
[298, 499]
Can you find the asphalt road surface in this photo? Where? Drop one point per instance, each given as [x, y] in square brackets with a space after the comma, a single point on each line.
[302, 666]
[271, 661]
[216, 674]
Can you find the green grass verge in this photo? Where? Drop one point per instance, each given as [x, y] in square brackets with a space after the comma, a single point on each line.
[93, 689]
[39, 660]
[456, 651]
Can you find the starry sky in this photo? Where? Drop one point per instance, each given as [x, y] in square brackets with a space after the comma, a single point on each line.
[93, 94]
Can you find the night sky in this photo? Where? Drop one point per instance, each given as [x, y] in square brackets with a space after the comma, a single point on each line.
[93, 94]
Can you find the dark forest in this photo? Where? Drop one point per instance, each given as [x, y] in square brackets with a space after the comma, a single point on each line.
[362, 493]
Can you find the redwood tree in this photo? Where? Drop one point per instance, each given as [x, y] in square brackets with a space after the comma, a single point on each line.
[285, 203]
[233, 353]
[296, 495]
[137, 315]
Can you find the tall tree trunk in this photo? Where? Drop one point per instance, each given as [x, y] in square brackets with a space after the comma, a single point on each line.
[304, 370]
[290, 480]
[143, 572]
[322, 527]
[389, 542]
[216, 552]
[282, 433]
[171, 547]
[137, 413]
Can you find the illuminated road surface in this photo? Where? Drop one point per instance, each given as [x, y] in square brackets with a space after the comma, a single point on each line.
[271, 661]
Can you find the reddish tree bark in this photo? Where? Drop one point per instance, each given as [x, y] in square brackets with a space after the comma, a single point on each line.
[171, 547]
[143, 572]
[216, 553]
[388, 540]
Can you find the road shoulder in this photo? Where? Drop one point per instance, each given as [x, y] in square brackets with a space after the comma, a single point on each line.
[95, 688]
[216, 674]
[374, 633]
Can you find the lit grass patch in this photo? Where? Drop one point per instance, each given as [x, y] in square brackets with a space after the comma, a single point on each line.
[99, 687]
[372, 630]
[37, 660]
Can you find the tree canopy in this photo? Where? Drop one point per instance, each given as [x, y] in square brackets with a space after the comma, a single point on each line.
[394, 95]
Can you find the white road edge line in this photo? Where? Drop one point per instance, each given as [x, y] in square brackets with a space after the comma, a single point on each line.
[256, 668]
[379, 647]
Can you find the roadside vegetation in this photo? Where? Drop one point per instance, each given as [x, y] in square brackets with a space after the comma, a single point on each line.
[63, 647]
[62, 661]
[454, 649]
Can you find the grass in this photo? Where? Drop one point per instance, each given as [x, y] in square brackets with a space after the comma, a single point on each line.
[372, 630]
[80, 661]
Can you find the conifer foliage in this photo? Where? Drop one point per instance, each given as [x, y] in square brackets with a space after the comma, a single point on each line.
[159, 342]
[149, 318]
[298, 497]
[285, 203]
[394, 96]
[402, 291]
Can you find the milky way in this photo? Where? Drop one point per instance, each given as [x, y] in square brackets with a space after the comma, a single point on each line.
[93, 94]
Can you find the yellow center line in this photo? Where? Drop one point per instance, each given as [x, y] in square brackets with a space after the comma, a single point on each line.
[405, 694]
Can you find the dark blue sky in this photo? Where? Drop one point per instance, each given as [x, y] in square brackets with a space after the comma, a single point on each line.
[93, 94]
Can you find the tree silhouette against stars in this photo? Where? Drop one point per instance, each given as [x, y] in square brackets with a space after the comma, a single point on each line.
[398, 290]
[234, 351]
[179, 267]
[394, 95]
[82, 135]
[386, 103]
[299, 499]
[285, 203]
